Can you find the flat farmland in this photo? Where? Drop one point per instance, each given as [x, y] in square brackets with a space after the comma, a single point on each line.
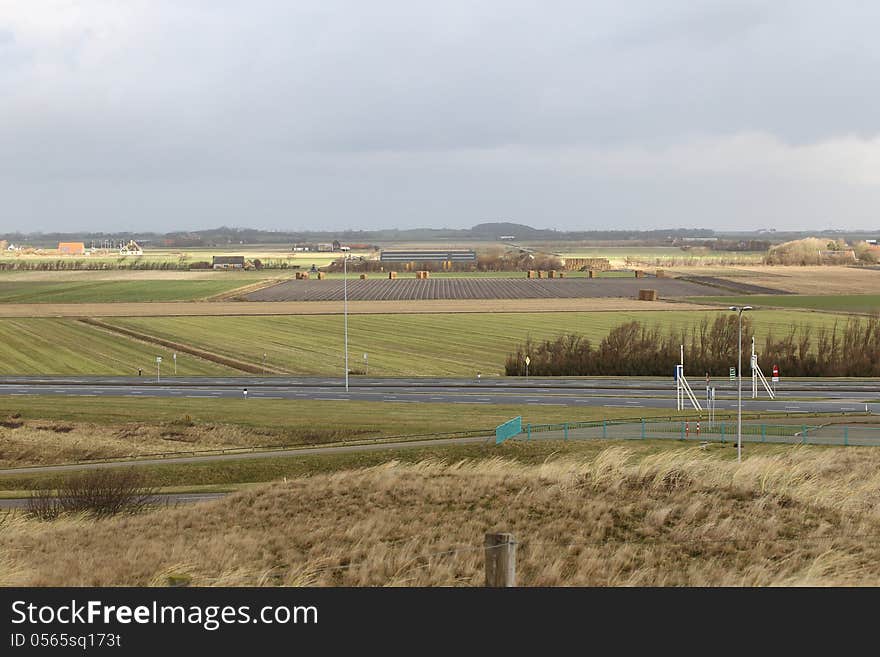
[68, 347]
[817, 281]
[262, 308]
[458, 288]
[415, 344]
[103, 291]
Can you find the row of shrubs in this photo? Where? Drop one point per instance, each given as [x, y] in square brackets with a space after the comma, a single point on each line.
[636, 349]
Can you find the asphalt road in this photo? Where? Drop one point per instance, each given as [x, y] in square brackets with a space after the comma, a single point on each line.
[805, 396]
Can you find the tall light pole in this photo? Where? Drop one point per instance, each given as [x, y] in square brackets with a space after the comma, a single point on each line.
[739, 380]
[345, 311]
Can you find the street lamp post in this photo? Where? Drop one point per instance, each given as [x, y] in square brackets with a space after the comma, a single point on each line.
[345, 312]
[739, 380]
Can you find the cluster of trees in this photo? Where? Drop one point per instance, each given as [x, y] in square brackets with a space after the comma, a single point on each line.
[636, 349]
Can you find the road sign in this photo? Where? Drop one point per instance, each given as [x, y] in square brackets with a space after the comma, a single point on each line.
[775, 374]
[733, 374]
[528, 360]
[158, 359]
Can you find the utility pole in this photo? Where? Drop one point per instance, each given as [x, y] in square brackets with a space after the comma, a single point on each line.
[740, 310]
[345, 312]
[500, 552]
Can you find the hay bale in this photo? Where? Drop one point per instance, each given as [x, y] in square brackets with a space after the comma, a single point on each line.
[321, 276]
[541, 273]
[551, 273]
[591, 273]
[532, 274]
[640, 273]
[305, 275]
[661, 273]
[561, 274]
[647, 295]
[363, 277]
[392, 275]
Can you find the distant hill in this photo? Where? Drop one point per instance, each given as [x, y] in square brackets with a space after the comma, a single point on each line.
[488, 231]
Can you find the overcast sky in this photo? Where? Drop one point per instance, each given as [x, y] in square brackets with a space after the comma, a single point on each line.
[333, 114]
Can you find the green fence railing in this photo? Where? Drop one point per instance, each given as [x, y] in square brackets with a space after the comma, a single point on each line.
[693, 430]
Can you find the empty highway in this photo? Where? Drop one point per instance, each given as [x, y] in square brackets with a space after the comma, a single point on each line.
[802, 396]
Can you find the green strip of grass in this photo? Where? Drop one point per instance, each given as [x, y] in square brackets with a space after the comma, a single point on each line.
[85, 291]
[854, 303]
[69, 347]
[367, 418]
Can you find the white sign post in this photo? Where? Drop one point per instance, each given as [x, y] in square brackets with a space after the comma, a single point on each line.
[174, 356]
[158, 365]
[366, 365]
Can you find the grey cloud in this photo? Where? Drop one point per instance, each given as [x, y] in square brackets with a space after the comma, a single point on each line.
[265, 113]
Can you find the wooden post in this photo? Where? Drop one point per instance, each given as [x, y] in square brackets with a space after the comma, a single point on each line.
[500, 560]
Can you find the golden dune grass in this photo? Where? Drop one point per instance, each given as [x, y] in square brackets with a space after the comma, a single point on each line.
[808, 516]
[39, 442]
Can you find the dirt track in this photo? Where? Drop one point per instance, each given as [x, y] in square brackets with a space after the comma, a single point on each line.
[172, 309]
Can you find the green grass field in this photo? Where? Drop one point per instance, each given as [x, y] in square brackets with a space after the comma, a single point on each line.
[424, 344]
[78, 291]
[65, 346]
[854, 303]
[361, 417]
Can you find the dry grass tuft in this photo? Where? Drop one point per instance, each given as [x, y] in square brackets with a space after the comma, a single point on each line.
[40, 442]
[807, 516]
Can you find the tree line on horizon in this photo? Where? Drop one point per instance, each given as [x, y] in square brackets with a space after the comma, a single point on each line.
[637, 349]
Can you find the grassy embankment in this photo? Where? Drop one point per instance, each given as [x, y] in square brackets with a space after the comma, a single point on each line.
[844, 303]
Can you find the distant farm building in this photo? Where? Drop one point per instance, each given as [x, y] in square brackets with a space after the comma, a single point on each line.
[428, 256]
[71, 248]
[228, 262]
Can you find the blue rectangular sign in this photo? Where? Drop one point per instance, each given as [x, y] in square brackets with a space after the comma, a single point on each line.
[508, 430]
